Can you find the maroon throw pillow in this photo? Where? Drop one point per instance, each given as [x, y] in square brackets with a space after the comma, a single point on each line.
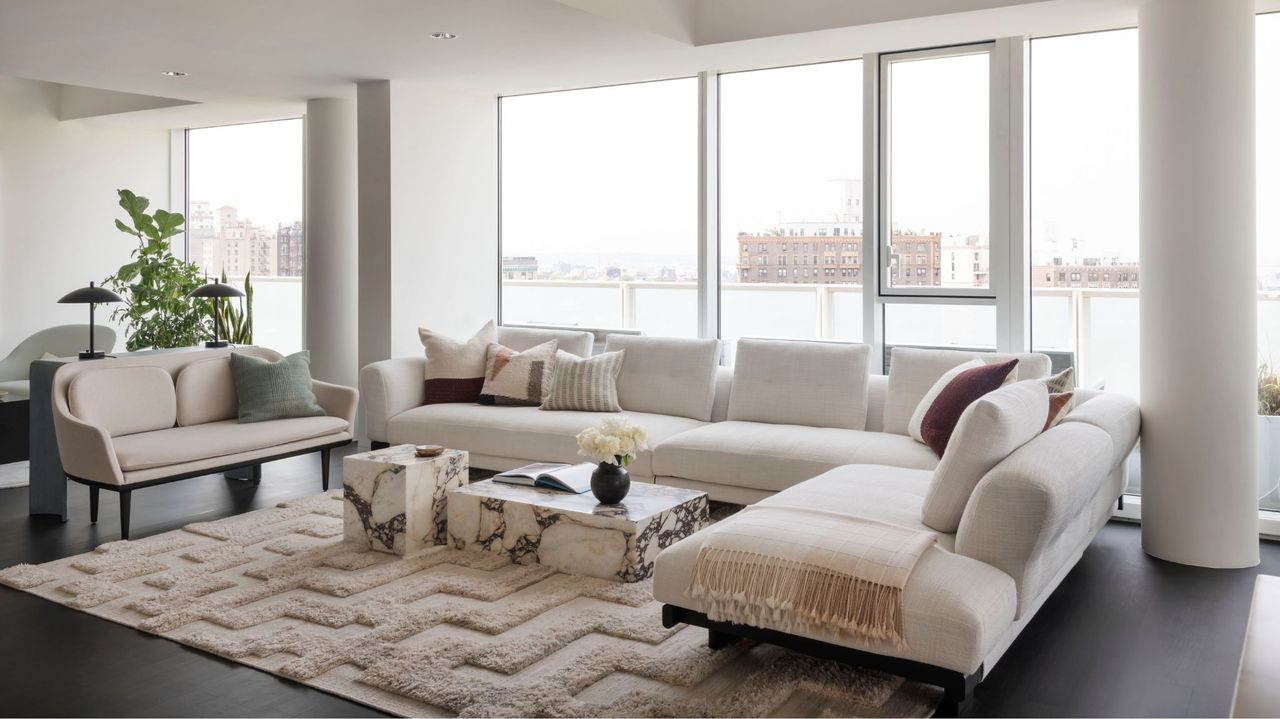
[940, 419]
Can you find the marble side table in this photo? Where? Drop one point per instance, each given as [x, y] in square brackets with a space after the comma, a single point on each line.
[573, 532]
[394, 501]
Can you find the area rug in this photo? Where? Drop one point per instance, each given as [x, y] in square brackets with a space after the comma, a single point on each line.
[442, 632]
[15, 474]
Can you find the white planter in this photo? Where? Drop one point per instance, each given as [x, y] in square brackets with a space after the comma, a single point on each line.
[1269, 459]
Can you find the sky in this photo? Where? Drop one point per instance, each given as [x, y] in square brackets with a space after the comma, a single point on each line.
[256, 168]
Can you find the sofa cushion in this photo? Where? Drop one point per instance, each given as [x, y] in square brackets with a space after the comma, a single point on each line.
[988, 431]
[575, 342]
[585, 385]
[455, 368]
[206, 392]
[267, 390]
[913, 371]
[773, 457]
[518, 378]
[522, 433]
[667, 375]
[819, 384]
[954, 608]
[217, 439]
[124, 400]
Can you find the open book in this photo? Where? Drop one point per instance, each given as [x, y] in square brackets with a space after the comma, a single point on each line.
[574, 478]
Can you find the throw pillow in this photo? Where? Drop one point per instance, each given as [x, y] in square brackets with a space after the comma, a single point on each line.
[917, 417]
[267, 390]
[1064, 381]
[455, 370]
[586, 385]
[1060, 405]
[989, 430]
[518, 378]
[940, 416]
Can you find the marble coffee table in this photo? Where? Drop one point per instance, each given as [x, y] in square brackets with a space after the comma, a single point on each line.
[573, 532]
[394, 501]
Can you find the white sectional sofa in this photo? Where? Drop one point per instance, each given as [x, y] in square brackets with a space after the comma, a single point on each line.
[808, 427]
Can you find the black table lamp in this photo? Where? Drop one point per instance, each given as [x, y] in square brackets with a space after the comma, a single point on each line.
[217, 291]
[91, 296]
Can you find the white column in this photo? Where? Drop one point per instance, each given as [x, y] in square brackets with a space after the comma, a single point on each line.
[329, 284]
[1199, 355]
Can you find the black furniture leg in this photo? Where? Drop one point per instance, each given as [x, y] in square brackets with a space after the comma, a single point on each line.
[374, 444]
[125, 496]
[93, 505]
[717, 640]
[324, 468]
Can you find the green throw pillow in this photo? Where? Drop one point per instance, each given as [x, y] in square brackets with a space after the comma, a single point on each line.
[274, 390]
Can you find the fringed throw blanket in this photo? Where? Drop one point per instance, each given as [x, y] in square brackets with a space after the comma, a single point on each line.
[807, 571]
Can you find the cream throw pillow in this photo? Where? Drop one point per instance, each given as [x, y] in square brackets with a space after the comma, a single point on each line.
[520, 379]
[455, 370]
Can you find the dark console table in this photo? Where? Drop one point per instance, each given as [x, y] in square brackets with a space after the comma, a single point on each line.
[15, 429]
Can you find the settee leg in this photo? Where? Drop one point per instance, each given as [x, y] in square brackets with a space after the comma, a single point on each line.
[717, 640]
[93, 505]
[125, 496]
[324, 468]
[955, 698]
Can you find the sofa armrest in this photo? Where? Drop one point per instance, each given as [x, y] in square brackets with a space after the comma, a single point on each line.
[389, 388]
[85, 449]
[1028, 513]
[337, 400]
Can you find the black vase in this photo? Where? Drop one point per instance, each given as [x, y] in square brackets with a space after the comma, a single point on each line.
[610, 483]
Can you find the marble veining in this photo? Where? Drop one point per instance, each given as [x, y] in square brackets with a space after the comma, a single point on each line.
[395, 501]
[572, 532]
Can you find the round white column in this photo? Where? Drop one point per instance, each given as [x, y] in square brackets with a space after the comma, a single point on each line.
[1199, 345]
[330, 286]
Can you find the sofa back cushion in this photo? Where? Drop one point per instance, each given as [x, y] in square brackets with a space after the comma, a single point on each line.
[667, 375]
[574, 342]
[124, 400]
[988, 431]
[206, 393]
[817, 384]
[912, 372]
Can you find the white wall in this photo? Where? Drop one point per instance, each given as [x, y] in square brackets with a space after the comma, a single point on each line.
[428, 215]
[58, 183]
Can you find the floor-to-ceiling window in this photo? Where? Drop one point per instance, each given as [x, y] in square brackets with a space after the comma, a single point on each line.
[1268, 139]
[599, 208]
[791, 193]
[244, 219]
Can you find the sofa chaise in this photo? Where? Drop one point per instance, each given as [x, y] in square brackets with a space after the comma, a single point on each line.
[132, 422]
[803, 424]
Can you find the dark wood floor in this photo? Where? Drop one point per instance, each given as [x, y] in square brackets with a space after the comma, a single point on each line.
[1125, 635]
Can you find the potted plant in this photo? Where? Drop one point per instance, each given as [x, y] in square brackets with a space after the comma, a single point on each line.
[1268, 433]
[158, 314]
[612, 445]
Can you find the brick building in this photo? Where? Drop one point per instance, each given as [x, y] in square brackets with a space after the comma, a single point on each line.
[1089, 272]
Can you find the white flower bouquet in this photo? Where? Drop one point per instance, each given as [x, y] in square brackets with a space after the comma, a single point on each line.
[615, 441]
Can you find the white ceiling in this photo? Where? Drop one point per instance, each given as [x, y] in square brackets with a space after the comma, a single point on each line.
[252, 59]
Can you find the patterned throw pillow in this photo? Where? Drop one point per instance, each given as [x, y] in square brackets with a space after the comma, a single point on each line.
[1064, 381]
[455, 370]
[1060, 404]
[586, 385]
[519, 379]
[965, 387]
[269, 390]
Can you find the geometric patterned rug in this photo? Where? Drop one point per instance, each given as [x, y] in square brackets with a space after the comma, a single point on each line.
[442, 632]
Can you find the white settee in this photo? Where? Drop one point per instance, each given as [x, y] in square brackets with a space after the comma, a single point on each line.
[802, 423]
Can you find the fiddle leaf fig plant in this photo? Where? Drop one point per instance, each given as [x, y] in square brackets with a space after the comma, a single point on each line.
[158, 313]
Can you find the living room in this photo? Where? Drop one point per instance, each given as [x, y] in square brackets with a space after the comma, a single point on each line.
[679, 358]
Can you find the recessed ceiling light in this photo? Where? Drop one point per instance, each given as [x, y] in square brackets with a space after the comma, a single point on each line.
[442, 36]
[174, 73]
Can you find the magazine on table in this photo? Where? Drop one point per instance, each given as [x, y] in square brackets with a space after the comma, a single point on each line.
[574, 478]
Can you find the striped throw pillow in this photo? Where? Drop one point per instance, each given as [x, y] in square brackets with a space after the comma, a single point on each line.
[585, 385]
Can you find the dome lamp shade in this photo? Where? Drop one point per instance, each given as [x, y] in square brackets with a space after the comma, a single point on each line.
[92, 296]
[215, 291]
